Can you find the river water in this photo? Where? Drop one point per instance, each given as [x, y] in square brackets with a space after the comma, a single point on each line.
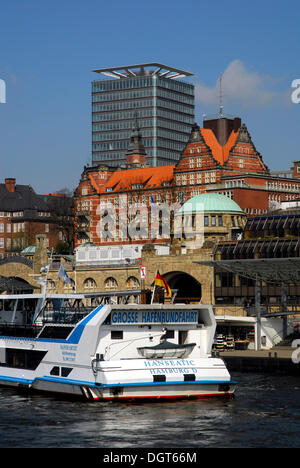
[265, 412]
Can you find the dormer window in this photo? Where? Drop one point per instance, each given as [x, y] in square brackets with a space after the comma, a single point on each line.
[137, 186]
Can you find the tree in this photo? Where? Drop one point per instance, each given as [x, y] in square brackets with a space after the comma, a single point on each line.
[62, 211]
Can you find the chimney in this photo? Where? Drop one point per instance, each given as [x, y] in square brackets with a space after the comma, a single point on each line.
[10, 184]
[222, 127]
[296, 170]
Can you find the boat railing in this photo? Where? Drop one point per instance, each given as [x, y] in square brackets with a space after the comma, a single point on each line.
[63, 315]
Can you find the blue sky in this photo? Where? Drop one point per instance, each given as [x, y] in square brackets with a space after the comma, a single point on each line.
[48, 49]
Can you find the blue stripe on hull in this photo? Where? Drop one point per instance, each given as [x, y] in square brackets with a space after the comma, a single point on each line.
[16, 380]
[131, 384]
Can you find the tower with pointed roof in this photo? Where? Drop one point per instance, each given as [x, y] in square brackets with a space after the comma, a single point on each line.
[136, 154]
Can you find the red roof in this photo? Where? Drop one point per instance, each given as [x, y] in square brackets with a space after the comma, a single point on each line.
[147, 177]
[220, 153]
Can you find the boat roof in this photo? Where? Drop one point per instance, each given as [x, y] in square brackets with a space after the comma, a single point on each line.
[40, 296]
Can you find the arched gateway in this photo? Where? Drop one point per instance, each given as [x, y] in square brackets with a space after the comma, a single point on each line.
[188, 288]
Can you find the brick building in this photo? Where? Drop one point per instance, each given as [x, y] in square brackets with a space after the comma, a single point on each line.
[220, 157]
[24, 214]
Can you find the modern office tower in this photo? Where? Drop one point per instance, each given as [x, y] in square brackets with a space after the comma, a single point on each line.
[150, 93]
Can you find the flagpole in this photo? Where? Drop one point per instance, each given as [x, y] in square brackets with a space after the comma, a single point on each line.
[48, 268]
[153, 290]
[75, 276]
[153, 294]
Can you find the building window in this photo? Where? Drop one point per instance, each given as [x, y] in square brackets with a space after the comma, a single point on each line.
[111, 283]
[206, 221]
[220, 221]
[51, 284]
[233, 221]
[89, 283]
[46, 227]
[132, 282]
[1, 227]
[213, 220]
[85, 205]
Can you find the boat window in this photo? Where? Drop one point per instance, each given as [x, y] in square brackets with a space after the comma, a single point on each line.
[30, 305]
[9, 304]
[52, 331]
[23, 358]
[159, 378]
[20, 304]
[65, 371]
[116, 335]
[170, 334]
[54, 370]
[189, 377]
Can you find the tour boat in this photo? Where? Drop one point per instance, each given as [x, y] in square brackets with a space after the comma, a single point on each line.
[56, 343]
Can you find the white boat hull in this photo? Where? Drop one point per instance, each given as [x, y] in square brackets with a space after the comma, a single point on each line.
[98, 393]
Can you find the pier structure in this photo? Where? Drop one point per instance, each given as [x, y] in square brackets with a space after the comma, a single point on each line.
[284, 271]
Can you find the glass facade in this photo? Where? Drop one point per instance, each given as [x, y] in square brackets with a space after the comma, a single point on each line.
[164, 108]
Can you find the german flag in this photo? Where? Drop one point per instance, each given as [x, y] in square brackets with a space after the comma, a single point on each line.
[160, 281]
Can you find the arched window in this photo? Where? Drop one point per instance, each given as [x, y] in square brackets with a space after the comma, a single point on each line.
[89, 283]
[50, 284]
[132, 282]
[111, 283]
